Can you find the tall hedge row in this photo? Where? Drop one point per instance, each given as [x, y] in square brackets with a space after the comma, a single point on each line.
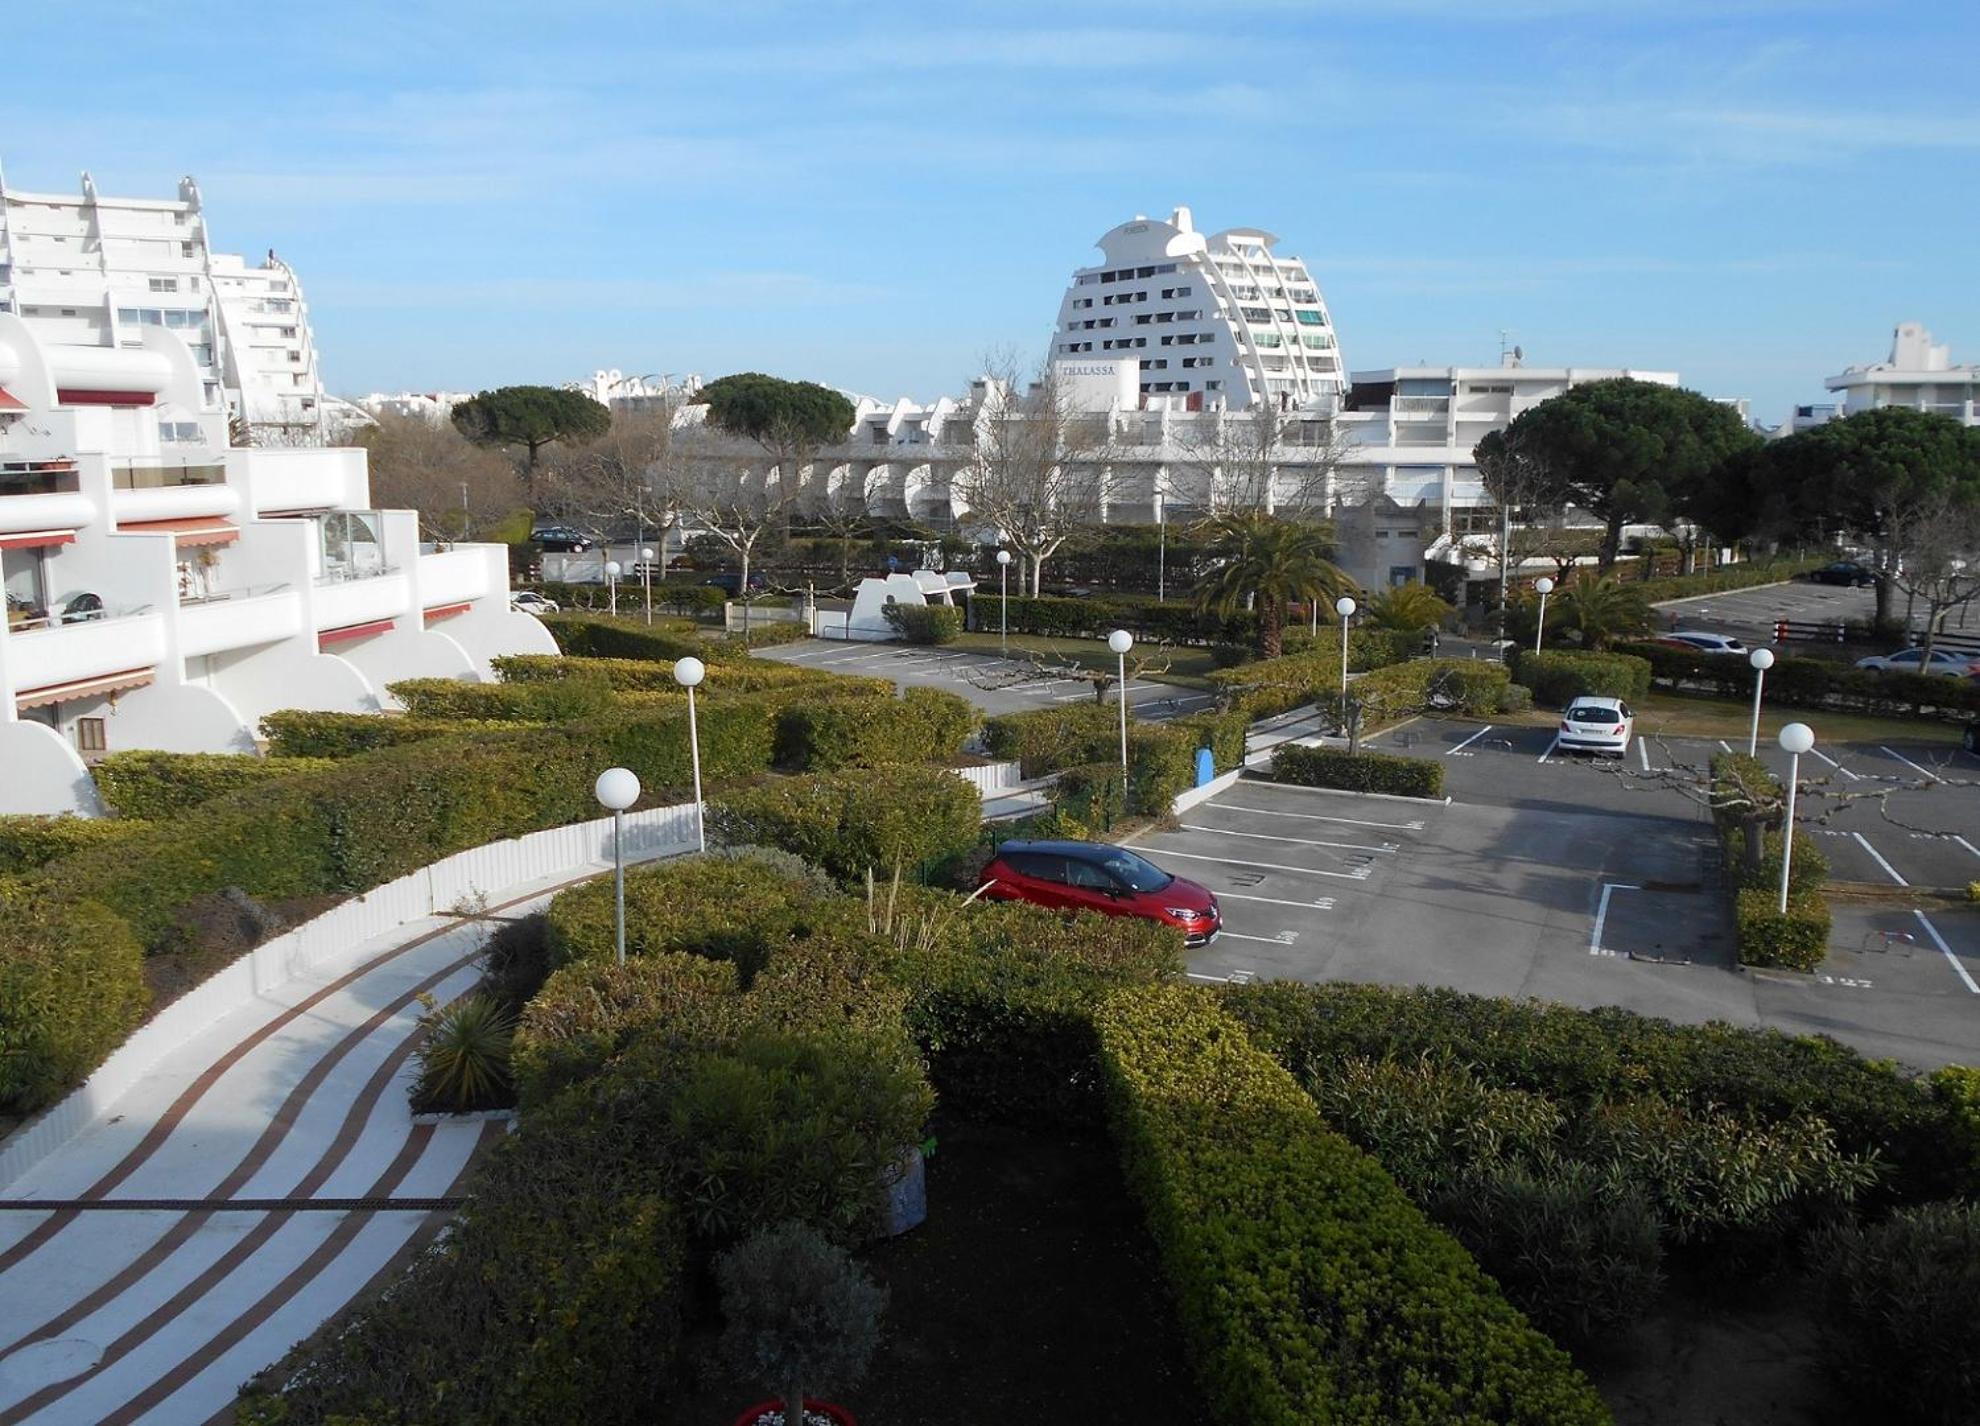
[858, 820]
[1559, 676]
[71, 988]
[28, 841]
[155, 784]
[1797, 682]
[1310, 1287]
[314, 733]
[1161, 756]
[923, 724]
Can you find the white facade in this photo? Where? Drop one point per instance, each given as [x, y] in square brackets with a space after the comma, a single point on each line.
[87, 271]
[432, 407]
[1919, 375]
[1414, 429]
[166, 590]
[1212, 320]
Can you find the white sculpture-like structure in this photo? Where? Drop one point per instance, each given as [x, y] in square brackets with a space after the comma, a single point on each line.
[867, 622]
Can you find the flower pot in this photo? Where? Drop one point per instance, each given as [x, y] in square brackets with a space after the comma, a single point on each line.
[774, 1411]
[906, 1183]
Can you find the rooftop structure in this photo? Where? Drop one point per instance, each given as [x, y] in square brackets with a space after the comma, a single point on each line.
[1211, 320]
[1919, 374]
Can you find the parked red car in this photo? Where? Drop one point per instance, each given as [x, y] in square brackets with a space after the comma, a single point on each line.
[1091, 876]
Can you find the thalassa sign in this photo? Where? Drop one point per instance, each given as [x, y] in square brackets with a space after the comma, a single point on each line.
[1097, 385]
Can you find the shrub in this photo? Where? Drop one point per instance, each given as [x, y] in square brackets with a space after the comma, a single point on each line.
[1224, 733]
[924, 724]
[1798, 940]
[871, 819]
[1269, 686]
[1468, 686]
[149, 784]
[801, 1315]
[1900, 1296]
[1048, 739]
[724, 907]
[563, 700]
[588, 1011]
[1309, 1287]
[1558, 677]
[1515, 698]
[517, 962]
[71, 988]
[464, 1057]
[27, 842]
[590, 637]
[1811, 683]
[1091, 796]
[296, 733]
[1584, 1057]
[1357, 772]
[926, 623]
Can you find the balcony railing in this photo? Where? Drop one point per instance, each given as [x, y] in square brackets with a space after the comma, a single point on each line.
[158, 477]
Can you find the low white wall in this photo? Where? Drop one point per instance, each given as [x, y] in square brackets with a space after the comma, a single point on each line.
[406, 653]
[334, 942]
[992, 777]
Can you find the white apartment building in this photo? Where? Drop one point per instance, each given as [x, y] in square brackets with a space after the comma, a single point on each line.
[88, 270]
[1213, 320]
[1919, 375]
[167, 589]
[432, 407]
[1414, 429]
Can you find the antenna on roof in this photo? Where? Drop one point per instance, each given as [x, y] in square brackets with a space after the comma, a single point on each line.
[1504, 345]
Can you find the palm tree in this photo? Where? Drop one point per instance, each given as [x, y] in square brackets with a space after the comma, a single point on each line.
[1410, 607]
[1262, 558]
[1603, 608]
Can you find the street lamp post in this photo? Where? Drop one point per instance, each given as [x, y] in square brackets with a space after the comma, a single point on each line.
[1344, 606]
[612, 573]
[1796, 739]
[646, 578]
[617, 788]
[687, 673]
[1120, 641]
[1542, 586]
[1004, 603]
[1762, 660]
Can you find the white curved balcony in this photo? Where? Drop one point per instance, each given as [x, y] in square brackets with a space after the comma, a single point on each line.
[173, 502]
[340, 603]
[452, 576]
[239, 621]
[327, 478]
[92, 648]
[58, 510]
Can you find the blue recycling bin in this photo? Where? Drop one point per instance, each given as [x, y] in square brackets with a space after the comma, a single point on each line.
[1206, 766]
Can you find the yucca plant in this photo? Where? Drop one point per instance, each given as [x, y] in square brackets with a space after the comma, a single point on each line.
[464, 1057]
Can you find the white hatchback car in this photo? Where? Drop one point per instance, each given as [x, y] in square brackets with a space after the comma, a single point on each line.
[1703, 642]
[528, 601]
[1596, 725]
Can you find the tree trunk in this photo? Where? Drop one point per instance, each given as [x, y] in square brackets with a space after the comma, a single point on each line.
[1611, 543]
[1934, 617]
[794, 1406]
[1271, 627]
[1754, 835]
[742, 589]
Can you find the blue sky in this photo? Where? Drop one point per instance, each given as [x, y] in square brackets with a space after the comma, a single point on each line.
[876, 195]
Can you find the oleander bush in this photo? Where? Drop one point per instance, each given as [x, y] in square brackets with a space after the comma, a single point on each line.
[147, 784]
[926, 623]
[1581, 1058]
[71, 988]
[1900, 1297]
[563, 700]
[29, 841]
[1309, 1287]
[1357, 772]
[1559, 676]
[857, 821]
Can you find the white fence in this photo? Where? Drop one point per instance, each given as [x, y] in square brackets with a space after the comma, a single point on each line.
[991, 777]
[333, 941]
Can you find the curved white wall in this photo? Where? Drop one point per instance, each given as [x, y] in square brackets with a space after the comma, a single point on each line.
[406, 653]
[180, 718]
[490, 630]
[288, 676]
[44, 774]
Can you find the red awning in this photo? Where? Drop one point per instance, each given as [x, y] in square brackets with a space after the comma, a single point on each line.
[84, 396]
[11, 402]
[37, 539]
[82, 688]
[448, 611]
[351, 631]
[192, 530]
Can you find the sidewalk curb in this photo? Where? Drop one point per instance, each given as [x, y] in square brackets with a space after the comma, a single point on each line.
[1444, 801]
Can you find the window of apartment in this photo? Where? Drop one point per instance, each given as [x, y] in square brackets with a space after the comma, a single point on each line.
[1488, 389]
[68, 311]
[1311, 319]
[1141, 341]
[1146, 317]
[164, 284]
[1155, 364]
[1213, 386]
[1104, 322]
[1177, 291]
[1077, 302]
[1318, 341]
[295, 355]
[1255, 314]
[91, 735]
[26, 584]
[350, 544]
[1148, 271]
[185, 249]
[179, 432]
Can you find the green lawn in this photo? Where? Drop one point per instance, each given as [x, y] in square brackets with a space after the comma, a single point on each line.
[1182, 666]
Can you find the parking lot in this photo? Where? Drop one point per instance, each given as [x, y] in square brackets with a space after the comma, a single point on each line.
[996, 685]
[1595, 882]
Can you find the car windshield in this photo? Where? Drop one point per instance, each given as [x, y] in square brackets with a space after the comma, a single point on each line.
[1134, 872]
[1593, 715]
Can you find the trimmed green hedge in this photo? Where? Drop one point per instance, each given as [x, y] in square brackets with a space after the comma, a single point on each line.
[926, 623]
[1559, 676]
[1047, 739]
[308, 733]
[590, 1010]
[924, 724]
[1798, 682]
[1269, 686]
[1310, 1287]
[1718, 581]
[1764, 936]
[71, 988]
[863, 819]
[1223, 733]
[1587, 1056]
[589, 637]
[27, 842]
[1357, 772]
[1161, 756]
[1474, 687]
[1091, 797]
[148, 784]
[1798, 940]
[564, 700]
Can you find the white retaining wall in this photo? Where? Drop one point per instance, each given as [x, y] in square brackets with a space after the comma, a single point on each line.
[992, 777]
[331, 944]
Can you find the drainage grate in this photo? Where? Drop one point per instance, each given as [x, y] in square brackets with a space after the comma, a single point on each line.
[228, 1205]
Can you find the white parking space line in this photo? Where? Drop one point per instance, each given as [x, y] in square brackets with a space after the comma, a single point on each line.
[863, 658]
[1863, 842]
[1284, 938]
[1853, 777]
[1968, 845]
[1469, 741]
[1595, 947]
[1550, 748]
[1385, 849]
[1320, 903]
[1315, 817]
[1945, 950]
[1725, 746]
[1358, 874]
[1415, 826]
[1910, 764]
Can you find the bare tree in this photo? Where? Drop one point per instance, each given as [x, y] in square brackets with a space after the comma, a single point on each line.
[1939, 536]
[1030, 666]
[1270, 460]
[635, 473]
[455, 486]
[736, 505]
[1039, 469]
[840, 510]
